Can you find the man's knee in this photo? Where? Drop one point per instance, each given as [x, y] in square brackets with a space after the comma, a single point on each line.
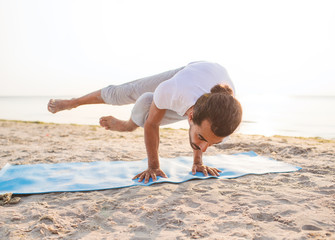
[118, 94]
[141, 109]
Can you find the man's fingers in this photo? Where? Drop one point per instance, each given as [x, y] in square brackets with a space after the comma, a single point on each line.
[163, 175]
[147, 177]
[194, 170]
[153, 176]
[141, 177]
[137, 176]
[205, 172]
[217, 171]
[211, 172]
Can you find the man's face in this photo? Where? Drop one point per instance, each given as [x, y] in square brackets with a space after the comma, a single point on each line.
[201, 137]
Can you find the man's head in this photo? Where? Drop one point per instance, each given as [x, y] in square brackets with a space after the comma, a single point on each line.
[201, 137]
[215, 116]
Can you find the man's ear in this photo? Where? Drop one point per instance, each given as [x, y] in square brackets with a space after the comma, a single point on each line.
[190, 116]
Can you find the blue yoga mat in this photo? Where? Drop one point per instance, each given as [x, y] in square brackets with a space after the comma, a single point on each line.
[88, 176]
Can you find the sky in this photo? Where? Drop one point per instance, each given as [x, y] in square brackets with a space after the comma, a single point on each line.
[62, 48]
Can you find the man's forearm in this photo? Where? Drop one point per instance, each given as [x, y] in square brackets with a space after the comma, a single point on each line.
[151, 138]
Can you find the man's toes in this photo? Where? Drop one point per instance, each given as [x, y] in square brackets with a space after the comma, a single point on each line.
[102, 121]
[51, 106]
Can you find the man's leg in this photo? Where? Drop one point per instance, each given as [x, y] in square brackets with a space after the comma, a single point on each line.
[138, 117]
[126, 93]
[56, 105]
[129, 92]
[136, 91]
[116, 95]
[140, 112]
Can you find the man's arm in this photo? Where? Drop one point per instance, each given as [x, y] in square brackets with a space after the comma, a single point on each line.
[198, 165]
[151, 139]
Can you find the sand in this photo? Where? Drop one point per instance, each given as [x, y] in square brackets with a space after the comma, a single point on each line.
[299, 205]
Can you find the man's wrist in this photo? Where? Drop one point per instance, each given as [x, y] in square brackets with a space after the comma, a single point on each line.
[153, 164]
[197, 162]
[197, 157]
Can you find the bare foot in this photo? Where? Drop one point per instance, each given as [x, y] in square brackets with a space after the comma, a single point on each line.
[114, 124]
[56, 105]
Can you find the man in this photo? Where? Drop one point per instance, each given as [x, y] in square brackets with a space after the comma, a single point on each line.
[201, 92]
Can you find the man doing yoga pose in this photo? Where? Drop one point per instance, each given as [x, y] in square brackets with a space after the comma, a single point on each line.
[200, 92]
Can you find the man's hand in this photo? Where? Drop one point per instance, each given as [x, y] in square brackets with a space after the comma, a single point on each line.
[198, 166]
[150, 173]
[205, 170]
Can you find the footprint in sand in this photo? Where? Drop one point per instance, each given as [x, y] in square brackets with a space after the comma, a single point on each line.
[310, 228]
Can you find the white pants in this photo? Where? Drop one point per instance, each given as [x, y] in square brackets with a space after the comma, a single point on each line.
[140, 92]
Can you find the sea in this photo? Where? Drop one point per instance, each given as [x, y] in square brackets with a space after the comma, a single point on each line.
[300, 116]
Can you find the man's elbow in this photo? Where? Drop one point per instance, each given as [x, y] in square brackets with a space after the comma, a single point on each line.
[151, 125]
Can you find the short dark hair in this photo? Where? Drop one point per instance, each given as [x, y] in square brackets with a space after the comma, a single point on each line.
[220, 108]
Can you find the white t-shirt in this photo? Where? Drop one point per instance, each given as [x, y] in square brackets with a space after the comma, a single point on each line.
[182, 91]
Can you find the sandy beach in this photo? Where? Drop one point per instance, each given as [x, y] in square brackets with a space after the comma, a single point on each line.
[298, 205]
